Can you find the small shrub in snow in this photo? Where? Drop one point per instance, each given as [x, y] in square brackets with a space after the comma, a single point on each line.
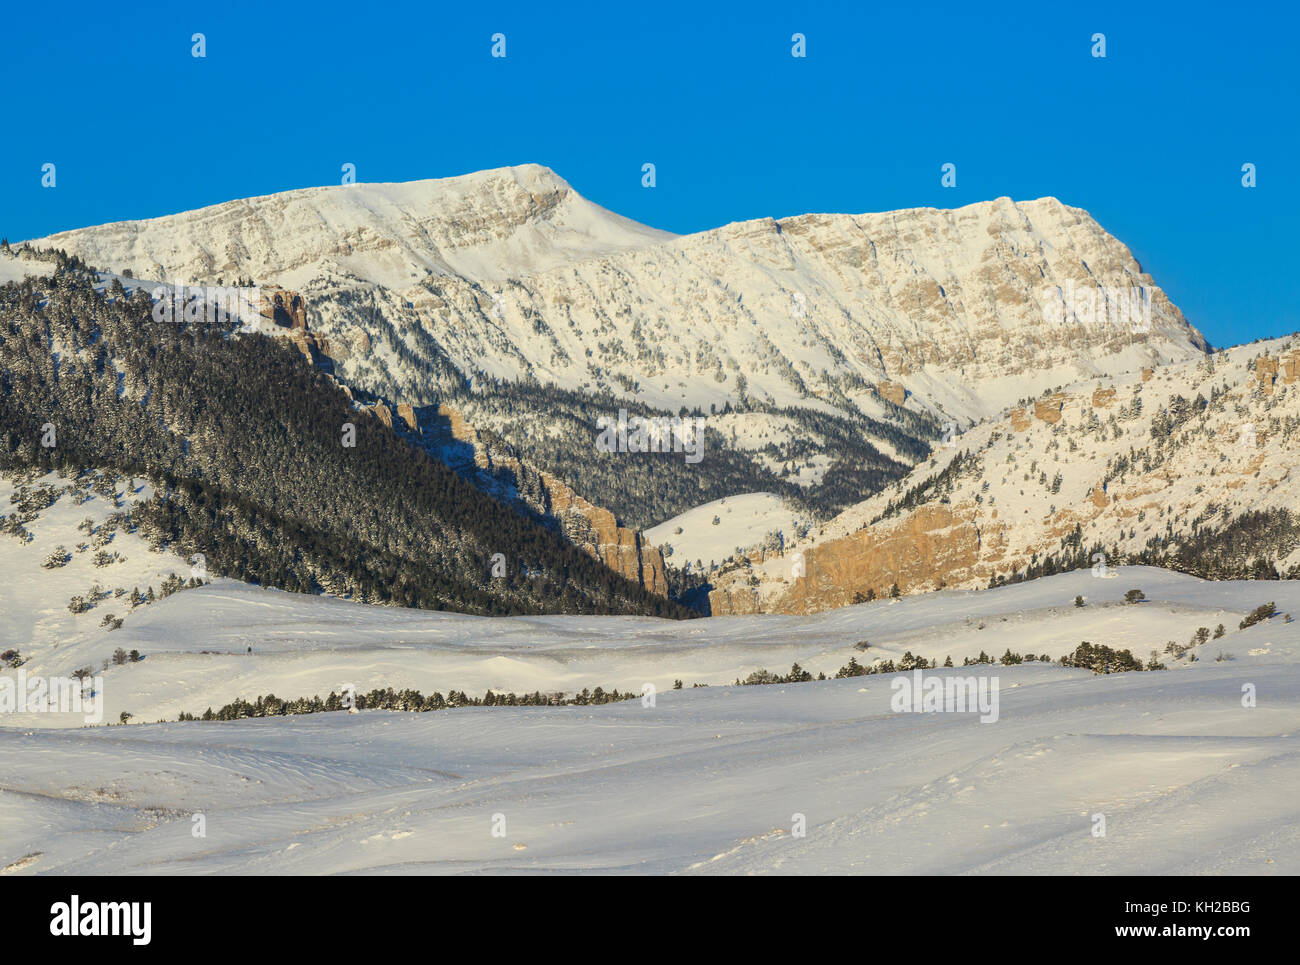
[1259, 614]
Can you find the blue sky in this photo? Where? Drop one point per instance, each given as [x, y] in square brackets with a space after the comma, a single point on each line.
[1151, 139]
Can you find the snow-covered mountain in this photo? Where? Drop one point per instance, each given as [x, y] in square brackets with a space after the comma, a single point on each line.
[1192, 465]
[487, 226]
[511, 274]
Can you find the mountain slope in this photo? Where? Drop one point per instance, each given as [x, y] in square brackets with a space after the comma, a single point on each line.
[512, 274]
[1192, 466]
[448, 290]
[264, 464]
[487, 226]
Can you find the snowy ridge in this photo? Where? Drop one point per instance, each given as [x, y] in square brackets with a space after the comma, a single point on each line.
[512, 274]
[485, 225]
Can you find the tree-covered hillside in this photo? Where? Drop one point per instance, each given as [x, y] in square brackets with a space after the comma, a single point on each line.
[245, 443]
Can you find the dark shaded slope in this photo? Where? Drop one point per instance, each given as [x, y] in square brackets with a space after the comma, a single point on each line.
[244, 440]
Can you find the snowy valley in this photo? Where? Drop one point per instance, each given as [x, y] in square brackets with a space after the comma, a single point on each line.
[353, 591]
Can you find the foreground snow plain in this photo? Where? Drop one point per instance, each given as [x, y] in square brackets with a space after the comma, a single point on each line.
[708, 780]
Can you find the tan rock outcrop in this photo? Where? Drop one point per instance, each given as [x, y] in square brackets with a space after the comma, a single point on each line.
[892, 391]
[592, 528]
[1266, 370]
[1103, 398]
[931, 545]
[1049, 409]
[285, 308]
[623, 550]
[1291, 366]
[316, 349]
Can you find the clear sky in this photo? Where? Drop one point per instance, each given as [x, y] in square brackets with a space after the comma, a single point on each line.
[1151, 139]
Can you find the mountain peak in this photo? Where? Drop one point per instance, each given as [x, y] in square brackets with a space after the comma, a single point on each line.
[490, 226]
[510, 273]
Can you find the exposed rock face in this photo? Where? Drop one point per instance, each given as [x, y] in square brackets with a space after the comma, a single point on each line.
[1059, 485]
[892, 391]
[1291, 366]
[407, 414]
[595, 529]
[285, 308]
[316, 349]
[909, 552]
[1049, 409]
[1147, 373]
[588, 526]
[498, 471]
[1266, 370]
